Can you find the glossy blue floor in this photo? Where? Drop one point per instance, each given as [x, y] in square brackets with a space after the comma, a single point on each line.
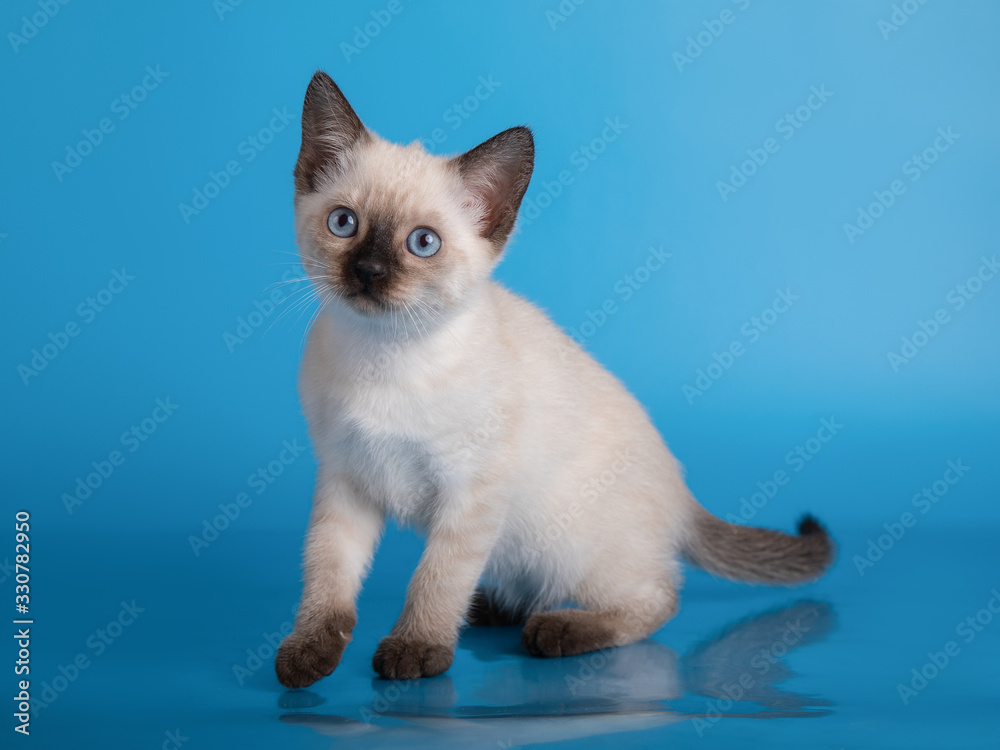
[762, 217]
[851, 662]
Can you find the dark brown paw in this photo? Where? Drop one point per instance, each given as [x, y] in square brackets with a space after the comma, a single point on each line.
[400, 659]
[565, 632]
[312, 652]
[484, 611]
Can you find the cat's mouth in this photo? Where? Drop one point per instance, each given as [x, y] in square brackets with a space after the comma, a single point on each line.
[368, 302]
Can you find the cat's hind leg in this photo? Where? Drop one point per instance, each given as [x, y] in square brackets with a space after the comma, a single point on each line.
[601, 622]
[486, 608]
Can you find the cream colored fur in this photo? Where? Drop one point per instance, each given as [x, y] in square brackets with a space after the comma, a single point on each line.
[465, 413]
[392, 402]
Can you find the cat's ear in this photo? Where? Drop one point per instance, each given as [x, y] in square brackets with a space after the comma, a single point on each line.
[329, 128]
[495, 175]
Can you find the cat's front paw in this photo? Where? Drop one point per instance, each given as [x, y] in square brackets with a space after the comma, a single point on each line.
[312, 652]
[402, 659]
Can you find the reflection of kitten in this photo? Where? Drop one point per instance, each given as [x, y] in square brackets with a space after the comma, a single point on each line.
[536, 701]
[438, 398]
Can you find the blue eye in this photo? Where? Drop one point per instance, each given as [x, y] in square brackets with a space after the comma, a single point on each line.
[343, 222]
[423, 242]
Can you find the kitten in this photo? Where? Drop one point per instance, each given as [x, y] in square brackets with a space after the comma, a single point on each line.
[440, 399]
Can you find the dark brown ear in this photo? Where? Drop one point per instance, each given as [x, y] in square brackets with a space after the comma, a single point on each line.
[329, 127]
[496, 174]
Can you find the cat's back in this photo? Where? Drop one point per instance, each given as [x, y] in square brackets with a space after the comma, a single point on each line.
[539, 348]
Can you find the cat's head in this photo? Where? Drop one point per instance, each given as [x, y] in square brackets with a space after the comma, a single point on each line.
[384, 228]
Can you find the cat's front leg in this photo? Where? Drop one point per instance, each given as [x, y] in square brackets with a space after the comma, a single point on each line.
[342, 535]
[422, 643]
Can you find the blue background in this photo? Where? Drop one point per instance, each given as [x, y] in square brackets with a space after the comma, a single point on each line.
[689, 123]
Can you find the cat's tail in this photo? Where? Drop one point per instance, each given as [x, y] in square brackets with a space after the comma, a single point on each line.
[754, 555]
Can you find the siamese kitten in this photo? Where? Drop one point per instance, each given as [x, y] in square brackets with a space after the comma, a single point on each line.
[440, 399]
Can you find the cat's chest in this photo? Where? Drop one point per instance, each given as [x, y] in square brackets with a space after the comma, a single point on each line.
[412, 429]
[409, 451]
[401, 415]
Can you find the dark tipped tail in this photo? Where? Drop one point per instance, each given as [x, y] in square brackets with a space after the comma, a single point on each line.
[753, 555]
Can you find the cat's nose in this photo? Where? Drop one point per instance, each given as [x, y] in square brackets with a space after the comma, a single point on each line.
[368, 270]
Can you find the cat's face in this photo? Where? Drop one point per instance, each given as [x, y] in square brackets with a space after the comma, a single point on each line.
[385, 229]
